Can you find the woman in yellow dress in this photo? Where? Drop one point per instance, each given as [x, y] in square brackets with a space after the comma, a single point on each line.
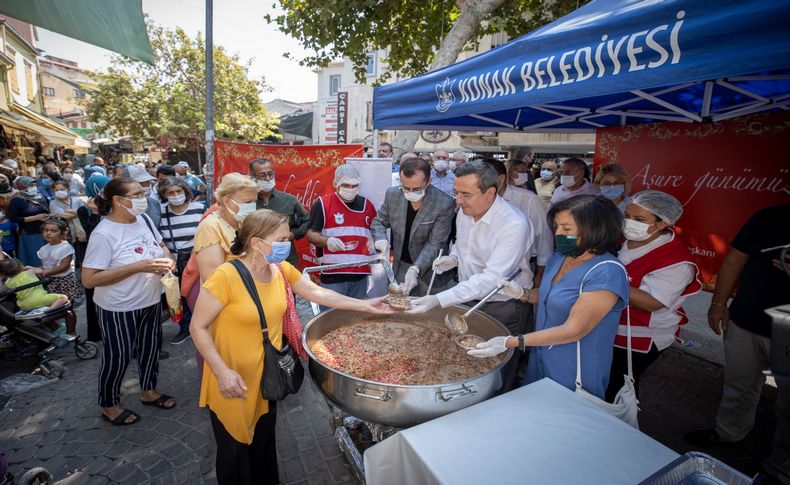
[226, 330]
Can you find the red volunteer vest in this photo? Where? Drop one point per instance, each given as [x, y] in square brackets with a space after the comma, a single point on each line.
[351, 227]
[669, 254]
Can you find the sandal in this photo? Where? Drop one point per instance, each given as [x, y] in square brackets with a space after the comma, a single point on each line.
[160, 402]
[121, 419]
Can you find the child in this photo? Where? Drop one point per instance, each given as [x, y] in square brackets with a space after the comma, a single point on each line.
[56, 257]
[7, 234]
[31, 298]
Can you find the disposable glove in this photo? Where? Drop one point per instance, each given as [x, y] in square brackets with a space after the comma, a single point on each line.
[490, 348]
[382, 245]
[410, 280]
[511, 289]
[445, 263]
[335, 245]
[424, 304]
[371, 247]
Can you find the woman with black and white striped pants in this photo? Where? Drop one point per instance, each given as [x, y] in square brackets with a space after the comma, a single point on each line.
[124, 262]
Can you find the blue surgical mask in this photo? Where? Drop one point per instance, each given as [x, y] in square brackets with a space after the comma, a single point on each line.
[612, 192]
[280, 251]
[45, 182]
[546, 174]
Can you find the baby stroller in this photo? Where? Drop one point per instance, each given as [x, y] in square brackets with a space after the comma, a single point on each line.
[32, 326]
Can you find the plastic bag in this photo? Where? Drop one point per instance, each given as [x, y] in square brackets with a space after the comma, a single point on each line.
[173, 296]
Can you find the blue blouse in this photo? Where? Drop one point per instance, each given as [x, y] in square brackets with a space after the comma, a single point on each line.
[558, 362]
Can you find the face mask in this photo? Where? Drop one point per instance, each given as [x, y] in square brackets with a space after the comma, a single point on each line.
[612, 192]
[452, 166]
[68, 176]
[568, 181]
[31, 191]
[415, 196]
[546, 174]
[61, 194]
[266, 185]
[521, 178]
[635, 230]
[348, 194]
[441, 165]
[280, 251]
[176, 199]
[566, 245]
[139, 206]
[46, 182]
[244, 210]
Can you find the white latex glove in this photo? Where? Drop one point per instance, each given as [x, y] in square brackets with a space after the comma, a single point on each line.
[335, 245]
[381, 245]
[512, 290]
[410, 280]
[490, 348]
[424, 304]
[445, 263]
[371, 246]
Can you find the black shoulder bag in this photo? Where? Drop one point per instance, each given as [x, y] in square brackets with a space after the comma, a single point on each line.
[282, 372]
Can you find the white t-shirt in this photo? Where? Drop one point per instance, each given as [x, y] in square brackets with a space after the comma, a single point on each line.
[52, 254]
[113, 245]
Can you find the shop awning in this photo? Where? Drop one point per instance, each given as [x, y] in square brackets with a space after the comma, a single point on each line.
[49, 131]
[116, 25]
[610, 62]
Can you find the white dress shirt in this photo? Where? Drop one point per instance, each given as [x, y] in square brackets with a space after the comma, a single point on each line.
[489, 250]
[445, 184]
[588, 188]
[531, 205]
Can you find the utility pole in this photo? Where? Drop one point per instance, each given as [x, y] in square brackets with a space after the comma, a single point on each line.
[209, 102]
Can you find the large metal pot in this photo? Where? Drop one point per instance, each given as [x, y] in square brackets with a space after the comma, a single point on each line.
[402, 405]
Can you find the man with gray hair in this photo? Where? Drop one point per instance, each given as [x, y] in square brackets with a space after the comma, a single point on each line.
[339, 230]
[458, 160]
[493, 240]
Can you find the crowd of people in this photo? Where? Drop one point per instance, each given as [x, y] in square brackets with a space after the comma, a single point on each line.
[583, 262]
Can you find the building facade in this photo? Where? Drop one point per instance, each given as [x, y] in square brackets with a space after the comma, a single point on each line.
[63, 89]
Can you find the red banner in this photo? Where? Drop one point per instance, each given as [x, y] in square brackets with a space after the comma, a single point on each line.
[721, 172]
[305, 171]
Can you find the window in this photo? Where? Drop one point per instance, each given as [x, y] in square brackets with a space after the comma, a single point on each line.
[370, 68]
[79, 94]
[49, 91]
[12, 72]
[31, 95]
[334, 84]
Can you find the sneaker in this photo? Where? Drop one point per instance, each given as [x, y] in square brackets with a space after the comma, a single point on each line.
[182, 337]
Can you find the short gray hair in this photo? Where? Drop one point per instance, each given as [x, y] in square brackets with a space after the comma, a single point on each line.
[486, 175]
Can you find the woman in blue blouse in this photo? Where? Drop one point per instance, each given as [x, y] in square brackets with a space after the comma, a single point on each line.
[579, 299]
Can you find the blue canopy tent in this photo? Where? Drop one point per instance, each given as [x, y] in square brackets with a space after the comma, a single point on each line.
[610, 62]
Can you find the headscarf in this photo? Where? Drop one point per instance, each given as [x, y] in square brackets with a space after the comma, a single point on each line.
[88, 171]
[95, 184]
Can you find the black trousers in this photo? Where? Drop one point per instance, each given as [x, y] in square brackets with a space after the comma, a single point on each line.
[253, 464]
[620, 368]
[94, 331]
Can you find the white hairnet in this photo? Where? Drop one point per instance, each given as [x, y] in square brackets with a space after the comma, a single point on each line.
[663, 205]
[346, 174]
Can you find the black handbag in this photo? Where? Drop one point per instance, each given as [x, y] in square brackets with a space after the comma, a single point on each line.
[282, 372]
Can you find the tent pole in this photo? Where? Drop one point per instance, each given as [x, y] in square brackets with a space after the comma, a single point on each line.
[376, 143]
[209, 102]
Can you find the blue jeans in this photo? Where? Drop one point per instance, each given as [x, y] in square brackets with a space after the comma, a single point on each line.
[354, 289]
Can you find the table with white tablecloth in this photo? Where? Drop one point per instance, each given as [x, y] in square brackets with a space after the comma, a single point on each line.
[540, 433]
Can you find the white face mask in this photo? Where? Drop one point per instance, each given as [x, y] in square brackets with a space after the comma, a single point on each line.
[68, 176]
[31, 191]
[244, 210]
[415, 196]
[347, 194]
[176, 199]
[441, 165]
[266, 185]
[61, 194]
[521, 178]
[139, 206]
[568, 181]
[635, 230]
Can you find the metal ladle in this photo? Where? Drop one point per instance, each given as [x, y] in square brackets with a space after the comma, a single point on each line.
[457, 323]
[393, 288]
[433, 275]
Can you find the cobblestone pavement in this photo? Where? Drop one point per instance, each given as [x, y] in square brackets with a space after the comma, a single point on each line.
[58, 426]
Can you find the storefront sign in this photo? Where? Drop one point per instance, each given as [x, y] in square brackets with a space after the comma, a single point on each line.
[342, 117]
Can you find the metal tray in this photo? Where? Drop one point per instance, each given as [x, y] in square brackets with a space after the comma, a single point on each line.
[694, 468]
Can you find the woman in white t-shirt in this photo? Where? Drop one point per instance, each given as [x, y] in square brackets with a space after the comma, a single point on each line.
[124, 263]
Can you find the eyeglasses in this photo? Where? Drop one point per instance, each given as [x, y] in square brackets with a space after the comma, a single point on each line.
[465, 196]
[264, 175]
[136, 195]
[404, 189]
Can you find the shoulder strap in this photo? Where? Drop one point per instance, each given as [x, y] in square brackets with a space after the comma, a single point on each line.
[150, 224]
[170, 226]
[249, 284]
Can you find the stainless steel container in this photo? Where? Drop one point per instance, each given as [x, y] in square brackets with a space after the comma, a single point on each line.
[402, 405]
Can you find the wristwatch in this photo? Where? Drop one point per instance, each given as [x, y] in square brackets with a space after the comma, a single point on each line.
[521, 342]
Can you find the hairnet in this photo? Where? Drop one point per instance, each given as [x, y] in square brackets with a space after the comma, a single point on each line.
[346, 174]
[663, 205]
[95, 183]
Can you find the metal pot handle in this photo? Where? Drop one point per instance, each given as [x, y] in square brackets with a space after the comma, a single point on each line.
[377, 394]
[451, 394]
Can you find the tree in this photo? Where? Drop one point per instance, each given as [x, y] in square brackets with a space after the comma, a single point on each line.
[420, 36]
[168, 98]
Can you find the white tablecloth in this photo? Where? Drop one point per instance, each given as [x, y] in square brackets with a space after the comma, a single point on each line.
[542, 433]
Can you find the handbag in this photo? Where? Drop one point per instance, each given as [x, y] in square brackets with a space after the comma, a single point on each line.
[626, 405]
[282, 372]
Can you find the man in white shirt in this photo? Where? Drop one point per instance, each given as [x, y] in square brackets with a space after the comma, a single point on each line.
[574, 181]
[493, 241]
[442, 178]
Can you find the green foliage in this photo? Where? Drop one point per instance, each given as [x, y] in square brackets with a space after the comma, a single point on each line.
[411, 30]
[168, 98]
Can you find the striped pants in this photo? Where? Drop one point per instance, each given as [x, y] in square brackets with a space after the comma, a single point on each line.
[123, 333]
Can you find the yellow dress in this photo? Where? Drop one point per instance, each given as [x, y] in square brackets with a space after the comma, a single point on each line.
[236, 332]
[214, 230]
